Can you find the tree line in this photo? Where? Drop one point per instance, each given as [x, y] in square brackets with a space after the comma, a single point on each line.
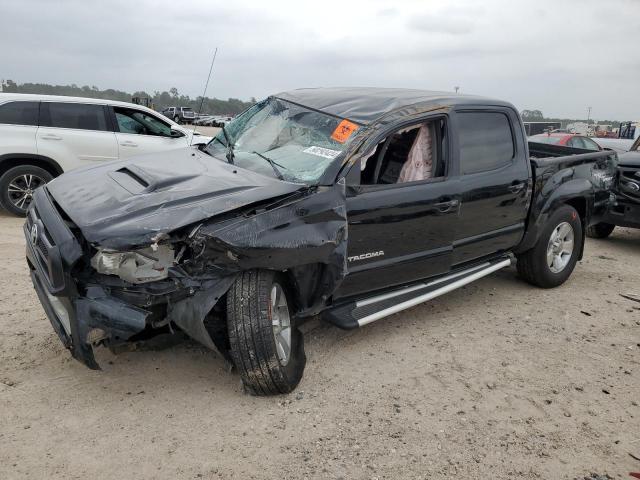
[159, 100]
[538, 116]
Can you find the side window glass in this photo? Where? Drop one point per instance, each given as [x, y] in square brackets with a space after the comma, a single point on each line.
[75, 115]
[140, 123]
[486, 141]
[19, 113]
[590, 144]
[411, 154]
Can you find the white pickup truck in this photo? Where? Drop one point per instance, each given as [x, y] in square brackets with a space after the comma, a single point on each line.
[42, 136]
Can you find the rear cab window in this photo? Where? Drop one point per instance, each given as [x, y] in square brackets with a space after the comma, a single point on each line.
[79, 116]
[19, 113]
[485, 141]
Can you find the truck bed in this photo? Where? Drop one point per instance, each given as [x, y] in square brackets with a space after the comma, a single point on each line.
[582, 178]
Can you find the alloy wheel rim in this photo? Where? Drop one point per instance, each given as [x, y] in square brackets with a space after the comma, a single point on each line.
[21, 189]
[560, 247]
[280, 323]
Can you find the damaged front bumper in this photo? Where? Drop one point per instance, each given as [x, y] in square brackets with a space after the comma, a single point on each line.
[87, 314]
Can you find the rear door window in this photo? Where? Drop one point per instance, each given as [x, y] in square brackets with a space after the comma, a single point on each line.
[485, 140]
[19, 113]
[79, 116]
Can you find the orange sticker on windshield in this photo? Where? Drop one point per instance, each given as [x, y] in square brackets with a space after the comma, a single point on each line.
[343, 131]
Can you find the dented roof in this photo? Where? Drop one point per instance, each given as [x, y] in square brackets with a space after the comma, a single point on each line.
[364, 105]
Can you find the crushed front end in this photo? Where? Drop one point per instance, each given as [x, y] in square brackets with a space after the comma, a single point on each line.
[625, 211]
[138, 300]
[106, 295]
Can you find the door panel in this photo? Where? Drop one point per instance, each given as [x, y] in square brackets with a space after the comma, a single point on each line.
[494, 181]
[75, 134]
[139, 132]
[399, 234]
[130, 144]
[492, 213]
[76, 148]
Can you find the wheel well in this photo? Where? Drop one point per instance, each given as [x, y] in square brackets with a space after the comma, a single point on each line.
[580, 204]
[47, 164]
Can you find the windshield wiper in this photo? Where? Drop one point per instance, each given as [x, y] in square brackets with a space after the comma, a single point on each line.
[230, 154]
[273, 165]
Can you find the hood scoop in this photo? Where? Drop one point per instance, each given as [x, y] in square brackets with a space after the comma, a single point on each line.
[117, 205]
[136, 180]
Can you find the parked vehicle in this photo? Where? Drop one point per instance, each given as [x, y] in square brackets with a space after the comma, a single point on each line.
[619, 145]
[204, 120]
[180, 114]
[42, 136]
[535, 128]
[625, 211]
[221, 121]
[351, 203]
[566, 140]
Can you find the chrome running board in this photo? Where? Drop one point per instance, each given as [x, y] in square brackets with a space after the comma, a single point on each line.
[368, 310]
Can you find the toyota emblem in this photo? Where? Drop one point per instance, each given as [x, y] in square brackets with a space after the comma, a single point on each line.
[34, 233]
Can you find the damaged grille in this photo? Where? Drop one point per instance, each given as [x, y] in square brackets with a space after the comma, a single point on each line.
[46, 255]
[629, 182]
[42, 248]
[39, 236]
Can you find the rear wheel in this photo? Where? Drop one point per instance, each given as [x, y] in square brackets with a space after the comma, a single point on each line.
[550, 262]
[266, 347]
[600, 230]
[17, 186]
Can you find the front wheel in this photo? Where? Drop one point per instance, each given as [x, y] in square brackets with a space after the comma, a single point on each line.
[552, 259]
[176, 119]
[266, 347]
[17, 186]
[600, 230]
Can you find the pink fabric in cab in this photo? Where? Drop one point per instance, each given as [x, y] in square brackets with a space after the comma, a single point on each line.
[420, 160]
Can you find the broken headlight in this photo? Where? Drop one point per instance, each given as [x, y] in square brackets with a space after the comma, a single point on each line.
[138, 266]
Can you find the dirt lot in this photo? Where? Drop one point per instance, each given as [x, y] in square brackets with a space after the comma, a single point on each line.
[497, 380]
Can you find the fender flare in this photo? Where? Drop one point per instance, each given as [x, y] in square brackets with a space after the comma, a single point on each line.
[577, 193]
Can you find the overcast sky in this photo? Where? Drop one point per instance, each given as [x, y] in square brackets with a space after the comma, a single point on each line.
[558, 56]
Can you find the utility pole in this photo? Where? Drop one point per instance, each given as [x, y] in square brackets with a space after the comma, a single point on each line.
[588, 114]
[456, 88]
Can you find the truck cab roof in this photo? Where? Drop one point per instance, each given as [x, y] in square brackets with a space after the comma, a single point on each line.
[365, 105]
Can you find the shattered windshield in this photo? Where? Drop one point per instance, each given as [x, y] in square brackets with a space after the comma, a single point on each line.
[285, 140]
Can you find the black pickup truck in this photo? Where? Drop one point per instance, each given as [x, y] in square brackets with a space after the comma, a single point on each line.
[348, 203]
[625, 210]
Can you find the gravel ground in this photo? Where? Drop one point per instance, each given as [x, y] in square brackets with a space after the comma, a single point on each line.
[496, 380]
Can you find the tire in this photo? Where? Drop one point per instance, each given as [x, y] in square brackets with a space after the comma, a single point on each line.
[176, 119]
[17, 186]
[600, 230]
[262, 361]
[548, 264]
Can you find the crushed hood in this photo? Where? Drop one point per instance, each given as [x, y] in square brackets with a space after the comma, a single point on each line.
[127, 203]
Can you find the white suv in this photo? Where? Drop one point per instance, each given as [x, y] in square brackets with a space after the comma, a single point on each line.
[42, 136]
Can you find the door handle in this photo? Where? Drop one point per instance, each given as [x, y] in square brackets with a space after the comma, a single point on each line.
[50, 137]
[129, 144]
[516, 187]
[444, 207]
